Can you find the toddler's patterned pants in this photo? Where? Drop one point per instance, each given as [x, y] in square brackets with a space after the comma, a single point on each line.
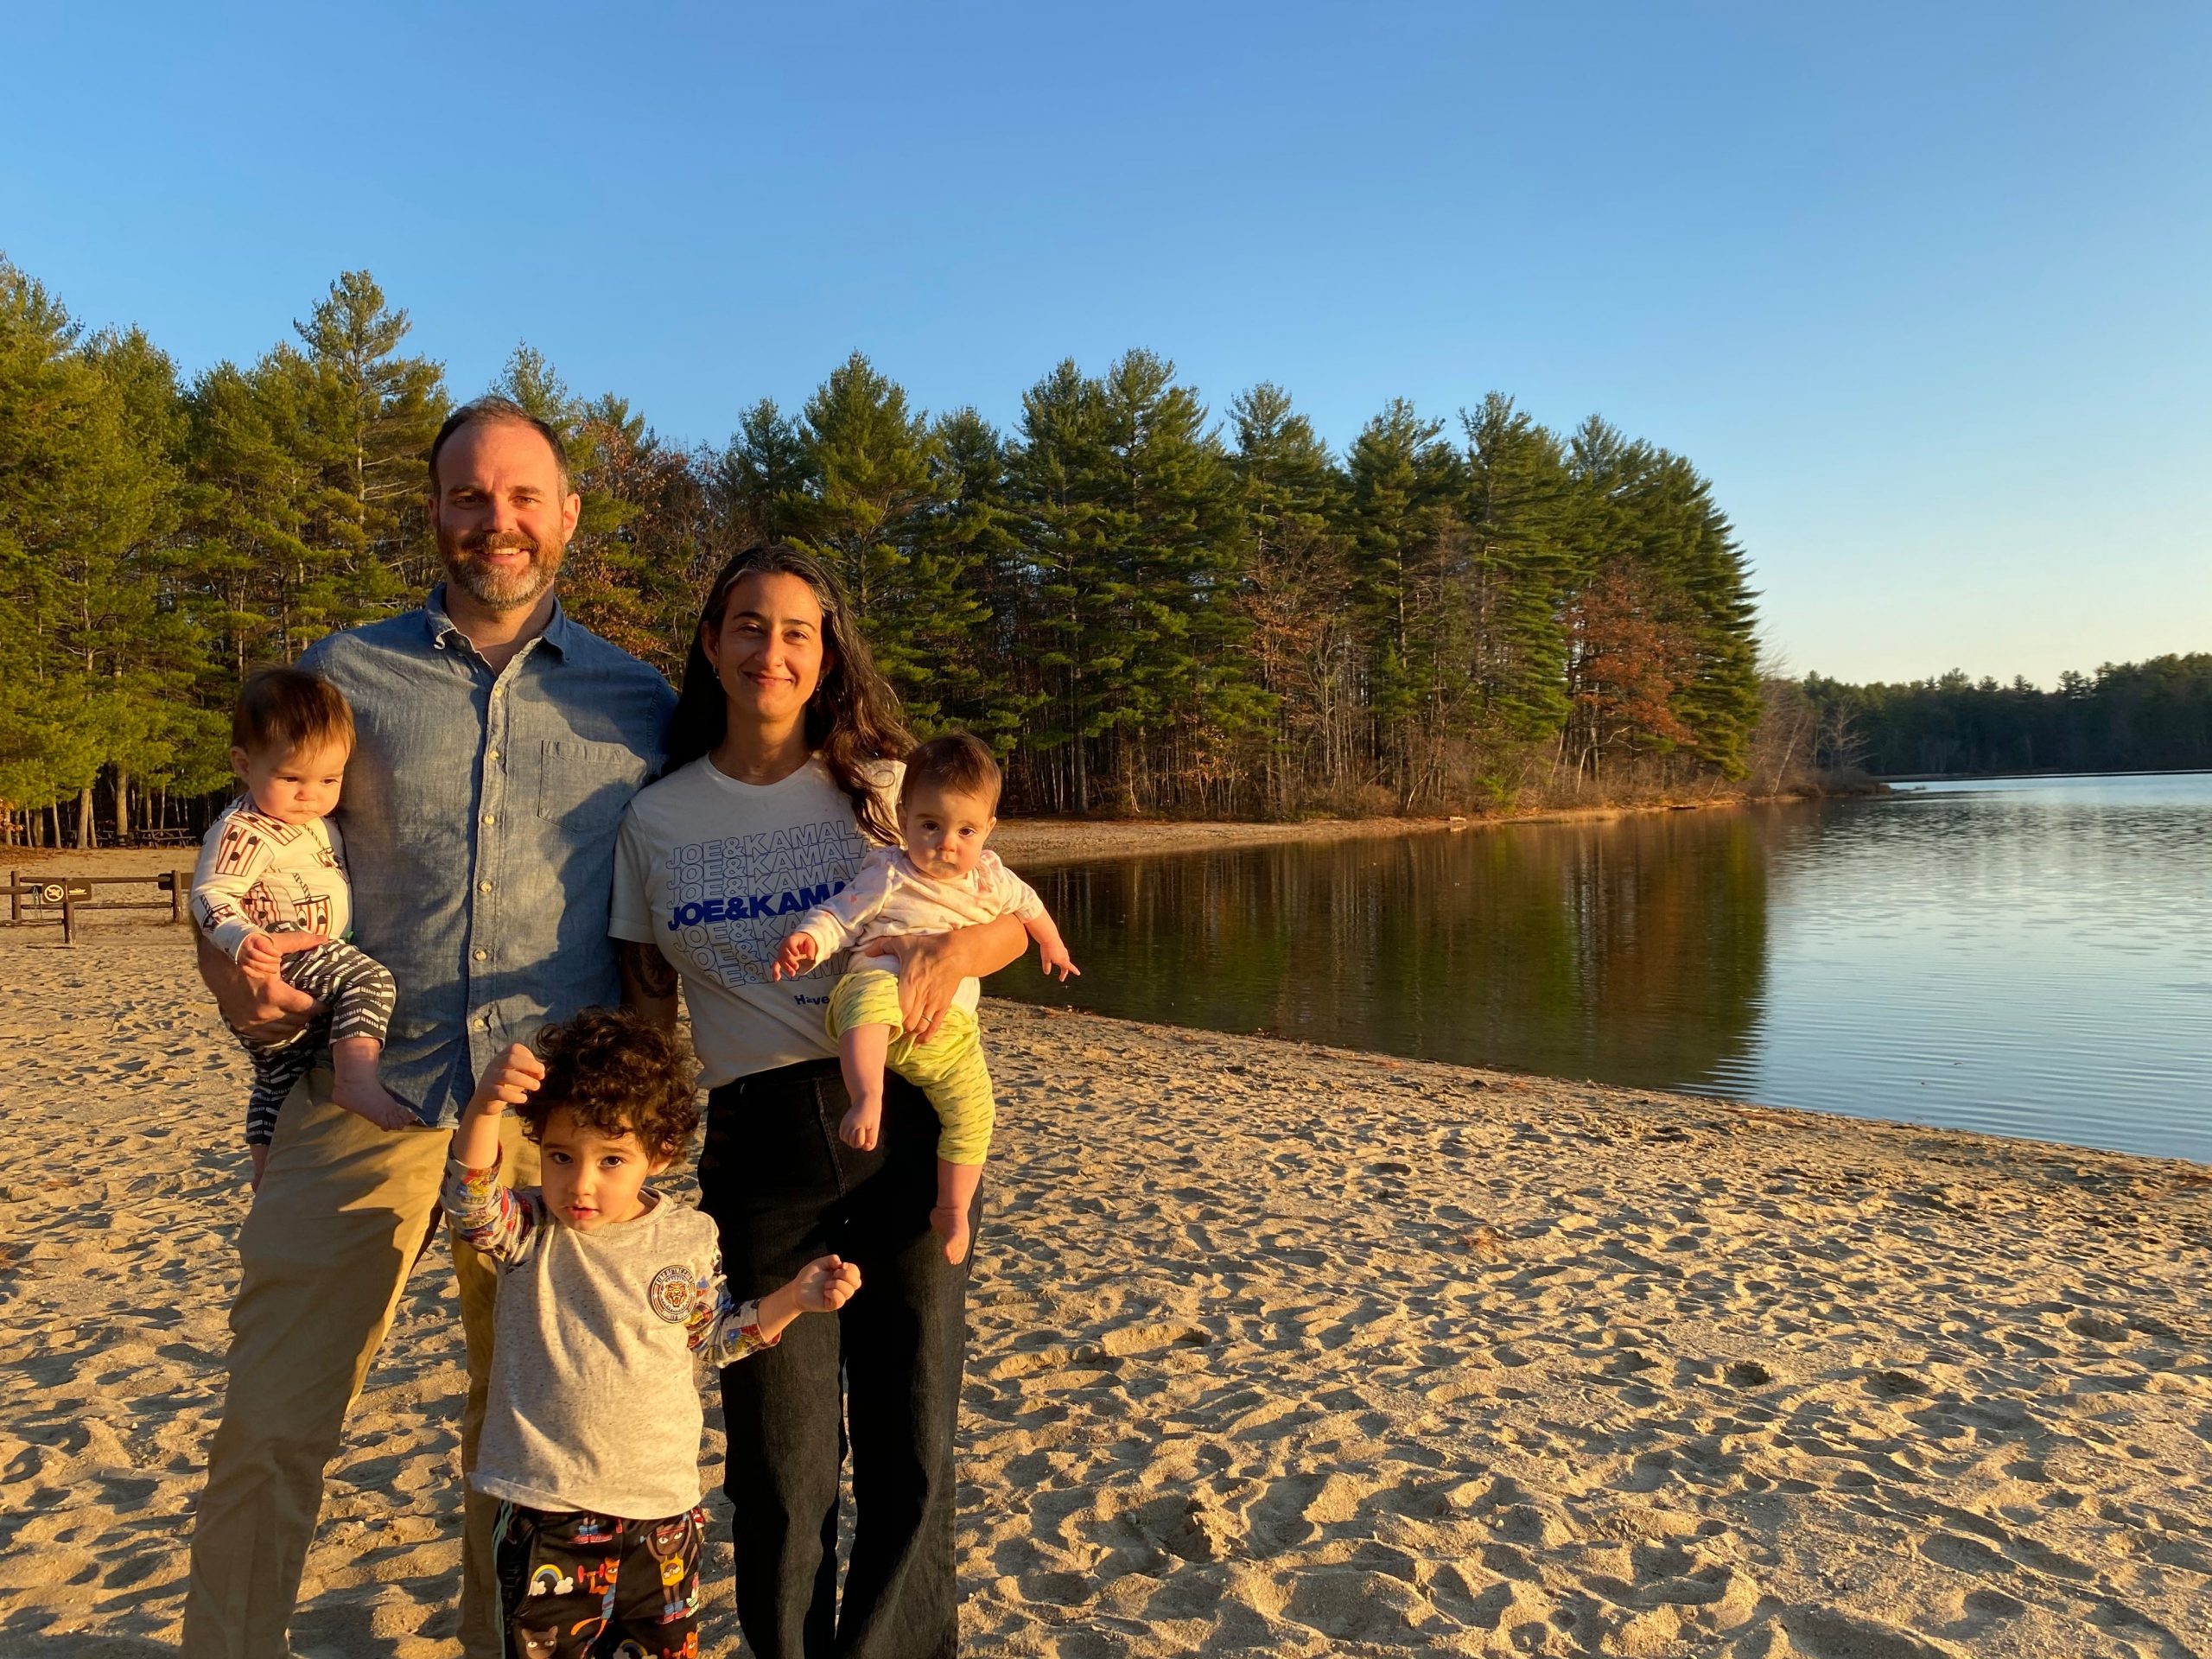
[577, 1586]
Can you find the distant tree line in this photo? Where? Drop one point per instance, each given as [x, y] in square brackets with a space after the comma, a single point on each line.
[1146, 610]
[2131, 716]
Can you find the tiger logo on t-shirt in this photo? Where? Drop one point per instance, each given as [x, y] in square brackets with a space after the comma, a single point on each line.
[671, 1293]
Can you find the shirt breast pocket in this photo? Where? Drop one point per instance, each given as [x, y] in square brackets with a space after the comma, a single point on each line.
[584, 787]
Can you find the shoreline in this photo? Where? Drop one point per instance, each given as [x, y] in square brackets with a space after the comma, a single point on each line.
[2003, 777]
[1047, 842]
[1966, 1148]
[1276, 1349]
[1044, 842]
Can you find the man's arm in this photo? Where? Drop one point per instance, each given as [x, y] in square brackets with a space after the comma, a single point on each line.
[266, 1010]
[648, 981]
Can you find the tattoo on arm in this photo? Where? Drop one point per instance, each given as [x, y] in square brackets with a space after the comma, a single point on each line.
[647, 969]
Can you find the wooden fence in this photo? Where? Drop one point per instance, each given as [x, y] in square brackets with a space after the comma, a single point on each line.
[58, 900]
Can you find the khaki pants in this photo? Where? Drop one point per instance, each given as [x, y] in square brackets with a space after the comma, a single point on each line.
[343, 1211]
[478, 1280]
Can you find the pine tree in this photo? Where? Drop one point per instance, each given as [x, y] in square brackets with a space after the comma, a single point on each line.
[369, 416]
[158, 738]
[969, 585]
[633, 562]
[757, 482]
[1407, 545]
[869, 465]
[1057, 472]
[1187, 696]
[1295, 593]
[528, 380]
[86, 494]
[246, 504]
[1518, 501]
[1129, 517]
[1695, 546]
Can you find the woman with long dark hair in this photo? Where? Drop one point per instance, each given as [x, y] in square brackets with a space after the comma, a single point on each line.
[783, 766]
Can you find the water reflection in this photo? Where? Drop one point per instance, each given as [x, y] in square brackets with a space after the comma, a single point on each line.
[2033, 959]
[1608, 951]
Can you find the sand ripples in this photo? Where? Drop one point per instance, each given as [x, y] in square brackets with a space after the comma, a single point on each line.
[1275, 1350]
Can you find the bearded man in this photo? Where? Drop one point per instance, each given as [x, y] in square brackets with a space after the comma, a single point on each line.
[497, 743]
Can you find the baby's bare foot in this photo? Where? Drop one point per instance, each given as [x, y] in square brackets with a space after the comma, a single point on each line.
[951, 1225]
[356, 1087]
[863, 1125]
[368, 1098]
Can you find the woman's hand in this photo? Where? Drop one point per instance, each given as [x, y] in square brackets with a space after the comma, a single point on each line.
[931, 966]
[649, 982]
[927, 981]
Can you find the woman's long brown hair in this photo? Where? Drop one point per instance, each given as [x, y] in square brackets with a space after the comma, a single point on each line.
[852, 719]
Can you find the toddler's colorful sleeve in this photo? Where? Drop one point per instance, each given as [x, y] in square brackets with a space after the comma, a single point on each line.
[489, 1214]
[721, 1327]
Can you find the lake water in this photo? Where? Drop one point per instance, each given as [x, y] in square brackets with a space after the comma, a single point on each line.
[2028, 957]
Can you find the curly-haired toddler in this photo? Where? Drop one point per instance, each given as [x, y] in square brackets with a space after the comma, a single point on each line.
[607, 1290]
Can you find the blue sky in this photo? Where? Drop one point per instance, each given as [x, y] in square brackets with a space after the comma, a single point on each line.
[1924, 289]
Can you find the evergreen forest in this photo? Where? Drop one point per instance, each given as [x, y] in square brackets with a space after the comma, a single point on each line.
[2148, 716]
[1147, 605]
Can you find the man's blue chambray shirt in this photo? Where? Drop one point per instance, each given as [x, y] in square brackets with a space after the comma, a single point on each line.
[478, 814]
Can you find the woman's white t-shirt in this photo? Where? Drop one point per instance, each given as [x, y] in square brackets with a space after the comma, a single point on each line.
[716, 873]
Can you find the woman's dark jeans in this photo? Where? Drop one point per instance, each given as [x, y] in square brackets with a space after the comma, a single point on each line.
[784, 1189]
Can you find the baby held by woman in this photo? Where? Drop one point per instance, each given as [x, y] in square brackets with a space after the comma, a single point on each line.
[942, 878]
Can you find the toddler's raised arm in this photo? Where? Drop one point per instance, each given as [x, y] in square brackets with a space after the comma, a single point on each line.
[484, 1208]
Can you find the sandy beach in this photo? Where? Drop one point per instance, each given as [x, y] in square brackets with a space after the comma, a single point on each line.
[1277, 1349]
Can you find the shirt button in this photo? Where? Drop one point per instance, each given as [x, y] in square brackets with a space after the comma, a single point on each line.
[488, 818]
[483, 955]
[490, 754]
[483, 887]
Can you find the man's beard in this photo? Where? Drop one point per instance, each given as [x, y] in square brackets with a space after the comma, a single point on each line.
[499, 590]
